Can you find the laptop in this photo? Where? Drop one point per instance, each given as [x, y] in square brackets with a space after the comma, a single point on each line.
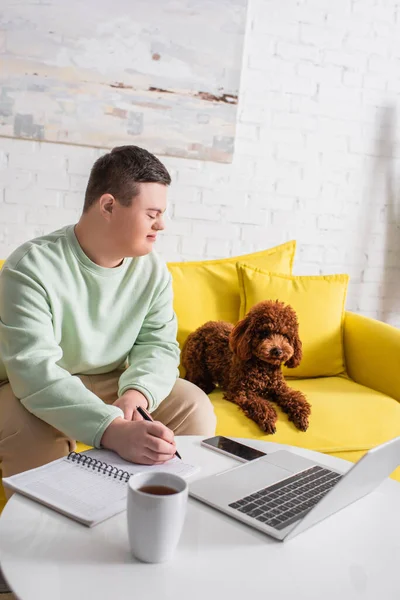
[283, 494]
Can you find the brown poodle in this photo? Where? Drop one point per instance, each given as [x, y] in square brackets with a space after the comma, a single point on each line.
[245, 361]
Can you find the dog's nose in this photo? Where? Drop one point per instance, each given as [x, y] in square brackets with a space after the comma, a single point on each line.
[276, 352]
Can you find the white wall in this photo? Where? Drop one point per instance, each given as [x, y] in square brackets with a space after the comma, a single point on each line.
[317, 156]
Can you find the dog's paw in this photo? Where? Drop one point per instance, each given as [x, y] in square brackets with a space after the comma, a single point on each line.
[266, 417]
[298, 410]
[257, 409]
[268, 427]
[301, 423]
[300, 417]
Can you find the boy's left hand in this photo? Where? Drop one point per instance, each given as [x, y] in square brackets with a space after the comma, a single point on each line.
[128, 403]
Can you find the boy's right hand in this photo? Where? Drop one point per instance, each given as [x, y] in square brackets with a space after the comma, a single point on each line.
[141, 442]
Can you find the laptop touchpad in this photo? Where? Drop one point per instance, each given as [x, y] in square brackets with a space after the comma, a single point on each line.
[245, 479]
[288, 460]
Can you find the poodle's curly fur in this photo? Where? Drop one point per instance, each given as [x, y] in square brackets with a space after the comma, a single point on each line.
[245, 361]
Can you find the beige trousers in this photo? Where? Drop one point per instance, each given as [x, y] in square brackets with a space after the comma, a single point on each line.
[27, 442]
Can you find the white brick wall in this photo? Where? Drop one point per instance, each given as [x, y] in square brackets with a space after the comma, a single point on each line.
[317, 156]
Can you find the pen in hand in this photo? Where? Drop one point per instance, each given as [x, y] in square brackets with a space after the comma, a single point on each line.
[147, 417]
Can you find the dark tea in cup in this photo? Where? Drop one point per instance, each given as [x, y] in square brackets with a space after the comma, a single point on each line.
[158, 490]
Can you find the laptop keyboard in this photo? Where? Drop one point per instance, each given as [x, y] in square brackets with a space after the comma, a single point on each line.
[283, 503]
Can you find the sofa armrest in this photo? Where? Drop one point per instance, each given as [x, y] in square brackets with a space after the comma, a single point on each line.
[372, 353]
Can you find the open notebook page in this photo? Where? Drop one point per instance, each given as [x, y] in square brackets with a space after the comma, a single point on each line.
[78, 491]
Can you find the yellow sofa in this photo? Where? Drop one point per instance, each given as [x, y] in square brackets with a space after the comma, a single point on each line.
[351, 412]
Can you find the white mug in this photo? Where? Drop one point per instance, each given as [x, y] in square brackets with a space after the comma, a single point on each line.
[155, 521]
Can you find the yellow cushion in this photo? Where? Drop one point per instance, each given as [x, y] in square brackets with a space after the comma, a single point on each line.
[345, 417]
[319, 303]
[208, 290]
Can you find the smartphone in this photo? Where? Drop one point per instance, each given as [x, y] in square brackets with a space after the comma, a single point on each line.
[232, 448]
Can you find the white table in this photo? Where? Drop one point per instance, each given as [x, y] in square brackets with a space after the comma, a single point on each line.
[353, 554]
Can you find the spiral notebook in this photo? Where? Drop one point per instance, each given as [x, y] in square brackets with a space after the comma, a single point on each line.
[89, 487]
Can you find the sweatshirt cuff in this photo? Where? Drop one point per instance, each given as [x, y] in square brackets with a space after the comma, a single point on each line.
[116, 412]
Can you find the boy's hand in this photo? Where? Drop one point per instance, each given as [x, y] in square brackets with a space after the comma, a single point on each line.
[128, 403]
[143, 442]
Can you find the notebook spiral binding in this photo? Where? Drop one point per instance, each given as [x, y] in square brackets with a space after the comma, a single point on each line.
[100, 466]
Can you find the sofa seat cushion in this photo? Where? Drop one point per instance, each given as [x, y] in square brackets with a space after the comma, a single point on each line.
[345, 417]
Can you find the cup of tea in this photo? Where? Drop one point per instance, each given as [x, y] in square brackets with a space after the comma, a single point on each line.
[156, 509]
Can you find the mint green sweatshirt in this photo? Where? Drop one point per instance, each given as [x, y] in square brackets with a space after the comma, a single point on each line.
[61, 314]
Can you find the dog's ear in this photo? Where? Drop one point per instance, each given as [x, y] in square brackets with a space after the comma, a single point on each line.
[297, 355]
[240, 340]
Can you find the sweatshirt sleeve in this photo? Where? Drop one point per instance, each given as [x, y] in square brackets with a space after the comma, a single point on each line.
[154, 358]
[30, 354]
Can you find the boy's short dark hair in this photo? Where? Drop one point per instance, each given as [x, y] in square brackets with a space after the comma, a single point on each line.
[120, 171]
